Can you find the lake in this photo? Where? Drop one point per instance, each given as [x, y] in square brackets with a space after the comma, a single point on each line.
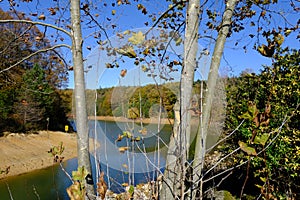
[139, 164]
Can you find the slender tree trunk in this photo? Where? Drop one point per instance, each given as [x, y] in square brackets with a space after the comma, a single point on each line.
[180, 142]
[211, 85]
[170, 180]
[80, 98]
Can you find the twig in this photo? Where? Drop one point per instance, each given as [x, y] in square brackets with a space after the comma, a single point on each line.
[219, 182]
[225, 138]
[221, 161]
[19, 36]
[68, 175]
[99, 25]
[246, 179]
[163, 14]
[10, 194]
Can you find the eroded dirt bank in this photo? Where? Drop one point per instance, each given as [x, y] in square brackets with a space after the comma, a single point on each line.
[24, 153]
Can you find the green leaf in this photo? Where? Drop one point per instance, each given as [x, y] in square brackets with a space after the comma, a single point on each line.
[178, 41]
[80, 174]
[131, 190]
[253, 110]
[137, 38]
[127, 134]
[249, 150]
[246, 115]
[261, 139]
[263, 179]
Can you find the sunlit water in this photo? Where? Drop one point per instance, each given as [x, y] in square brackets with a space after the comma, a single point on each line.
[129, 167]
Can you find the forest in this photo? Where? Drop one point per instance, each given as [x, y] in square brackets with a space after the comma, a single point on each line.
[258, 152]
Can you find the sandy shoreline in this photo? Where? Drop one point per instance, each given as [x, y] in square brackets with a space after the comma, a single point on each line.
[24, 153]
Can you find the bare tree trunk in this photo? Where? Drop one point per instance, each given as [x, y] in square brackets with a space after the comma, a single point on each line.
[171, 181]
[80, 98]
[176, 170]
[211, 85]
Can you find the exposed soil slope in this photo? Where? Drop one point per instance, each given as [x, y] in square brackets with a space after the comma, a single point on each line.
[24, 153]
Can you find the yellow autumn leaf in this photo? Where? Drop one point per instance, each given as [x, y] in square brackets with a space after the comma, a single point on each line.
[143, 131]
[42, 17]
[125, 184]
[127, 32]
[287, 32]
[123, 149]
[249, 150]
[137, 38]
[279, 39]
[127, 51]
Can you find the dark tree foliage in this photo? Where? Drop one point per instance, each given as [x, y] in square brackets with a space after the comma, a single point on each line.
[270, 105]
[28, 89]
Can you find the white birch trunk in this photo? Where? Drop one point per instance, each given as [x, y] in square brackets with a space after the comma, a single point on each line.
[80, 98]
[211, 86]
[175, 173]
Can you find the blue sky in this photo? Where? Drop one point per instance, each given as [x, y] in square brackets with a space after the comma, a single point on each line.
[127, 17]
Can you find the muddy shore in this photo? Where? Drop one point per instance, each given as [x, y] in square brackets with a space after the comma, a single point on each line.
[23, 153]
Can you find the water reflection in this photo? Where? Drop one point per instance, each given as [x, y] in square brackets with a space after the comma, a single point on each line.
[131, 166]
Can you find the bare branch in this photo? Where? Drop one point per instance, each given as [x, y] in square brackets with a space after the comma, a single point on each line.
[2, 21]
[99, 25]
[33, 54]
[9, 191]
[237, 128]
[19, 36]
[66, 173]
[278, 130]
[224, 178]
[221, 161]
[164, 13]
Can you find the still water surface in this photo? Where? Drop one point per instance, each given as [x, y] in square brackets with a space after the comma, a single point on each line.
[51, 183]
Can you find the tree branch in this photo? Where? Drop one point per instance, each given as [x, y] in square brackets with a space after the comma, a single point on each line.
[35, 53]
[163, 14]
[10, 42]
[2, 21]
[278, 130]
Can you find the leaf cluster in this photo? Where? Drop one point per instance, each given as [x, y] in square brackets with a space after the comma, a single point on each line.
[269, 105]
[77, 190]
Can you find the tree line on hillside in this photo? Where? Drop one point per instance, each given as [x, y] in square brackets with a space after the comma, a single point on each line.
[133, 101]
[29, 91]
